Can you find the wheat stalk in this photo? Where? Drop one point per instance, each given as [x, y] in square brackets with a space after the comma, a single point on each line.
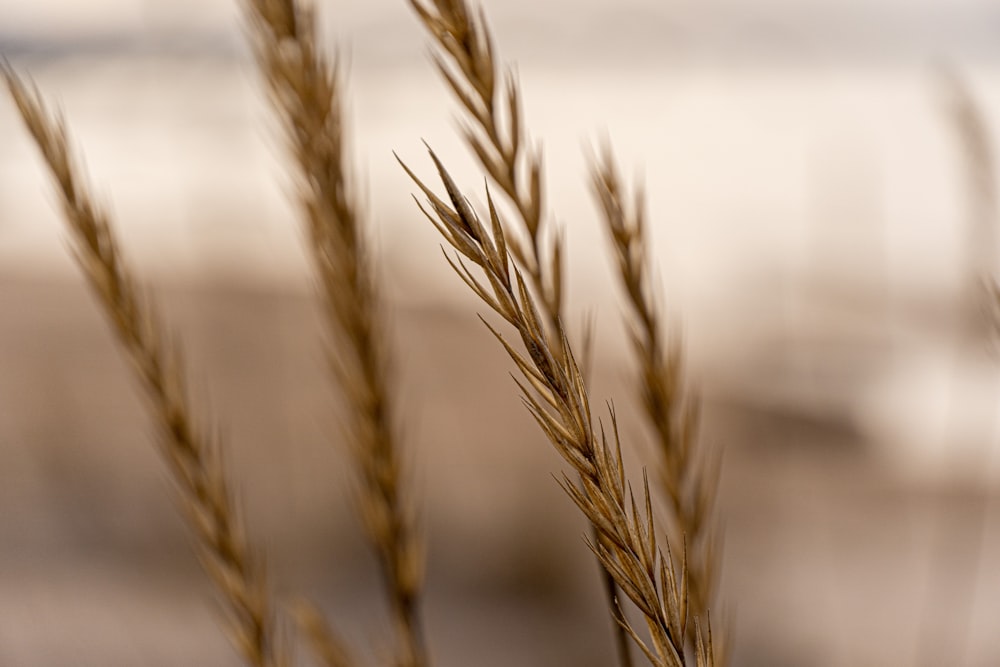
[307, 93]
[327, 648]
[690, 483]
[974, 139]
[192, 456]
[554, 391]
[494, 131]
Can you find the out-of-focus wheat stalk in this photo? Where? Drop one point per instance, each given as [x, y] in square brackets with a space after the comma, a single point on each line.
[957, 546]
[192, 457]
[688, 479]
[554, 391]
[974, 141]
[494, 131]
[307, 93]
[327, 648]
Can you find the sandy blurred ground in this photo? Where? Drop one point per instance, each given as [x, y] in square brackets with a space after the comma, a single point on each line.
[830, 559]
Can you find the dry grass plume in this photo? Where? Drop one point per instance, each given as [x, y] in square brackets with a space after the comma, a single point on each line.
[554, 391]
[464, 56]
[688, 477]
[192, 456]
[306, 90]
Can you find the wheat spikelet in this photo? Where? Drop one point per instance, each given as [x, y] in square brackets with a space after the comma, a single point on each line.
[554, 391]
[690, 482]
[704, 646]
[307, 93]
[192, 457]
[494, 131]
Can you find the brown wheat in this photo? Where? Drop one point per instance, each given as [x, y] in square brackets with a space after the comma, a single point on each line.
[466, 60]
[192, 456]
[327, 648]
[494, 131]
[554, 391]
[306, 91]
[689, 481]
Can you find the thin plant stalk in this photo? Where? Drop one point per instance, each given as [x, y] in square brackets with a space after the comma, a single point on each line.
[554, 391]
[193, 457]
[689, 480]
[494, 131]
[328, 649]
[307, 92]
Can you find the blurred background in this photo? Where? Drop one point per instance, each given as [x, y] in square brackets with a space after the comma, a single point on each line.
[821, 200]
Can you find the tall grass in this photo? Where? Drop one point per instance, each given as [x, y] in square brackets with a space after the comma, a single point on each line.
[688, 475]
[555, 392]
[492, 127]
[307, 93]
[191, 453]
[664, 566]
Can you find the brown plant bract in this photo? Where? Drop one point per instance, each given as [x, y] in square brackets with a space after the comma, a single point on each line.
[554, 391]
[192, 457]
[978, 320]
[690, 482]
[306, 91]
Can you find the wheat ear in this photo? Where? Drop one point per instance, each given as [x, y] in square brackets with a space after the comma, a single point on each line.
[192, 457]
[307, 93]
[554, 391]
[493, 130]
[689, 481]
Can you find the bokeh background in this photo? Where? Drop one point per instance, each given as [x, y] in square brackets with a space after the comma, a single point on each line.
[821, 228]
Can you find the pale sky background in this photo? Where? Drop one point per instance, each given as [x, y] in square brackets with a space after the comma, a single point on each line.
[803, 178]
[790, 27]
[779, 106]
